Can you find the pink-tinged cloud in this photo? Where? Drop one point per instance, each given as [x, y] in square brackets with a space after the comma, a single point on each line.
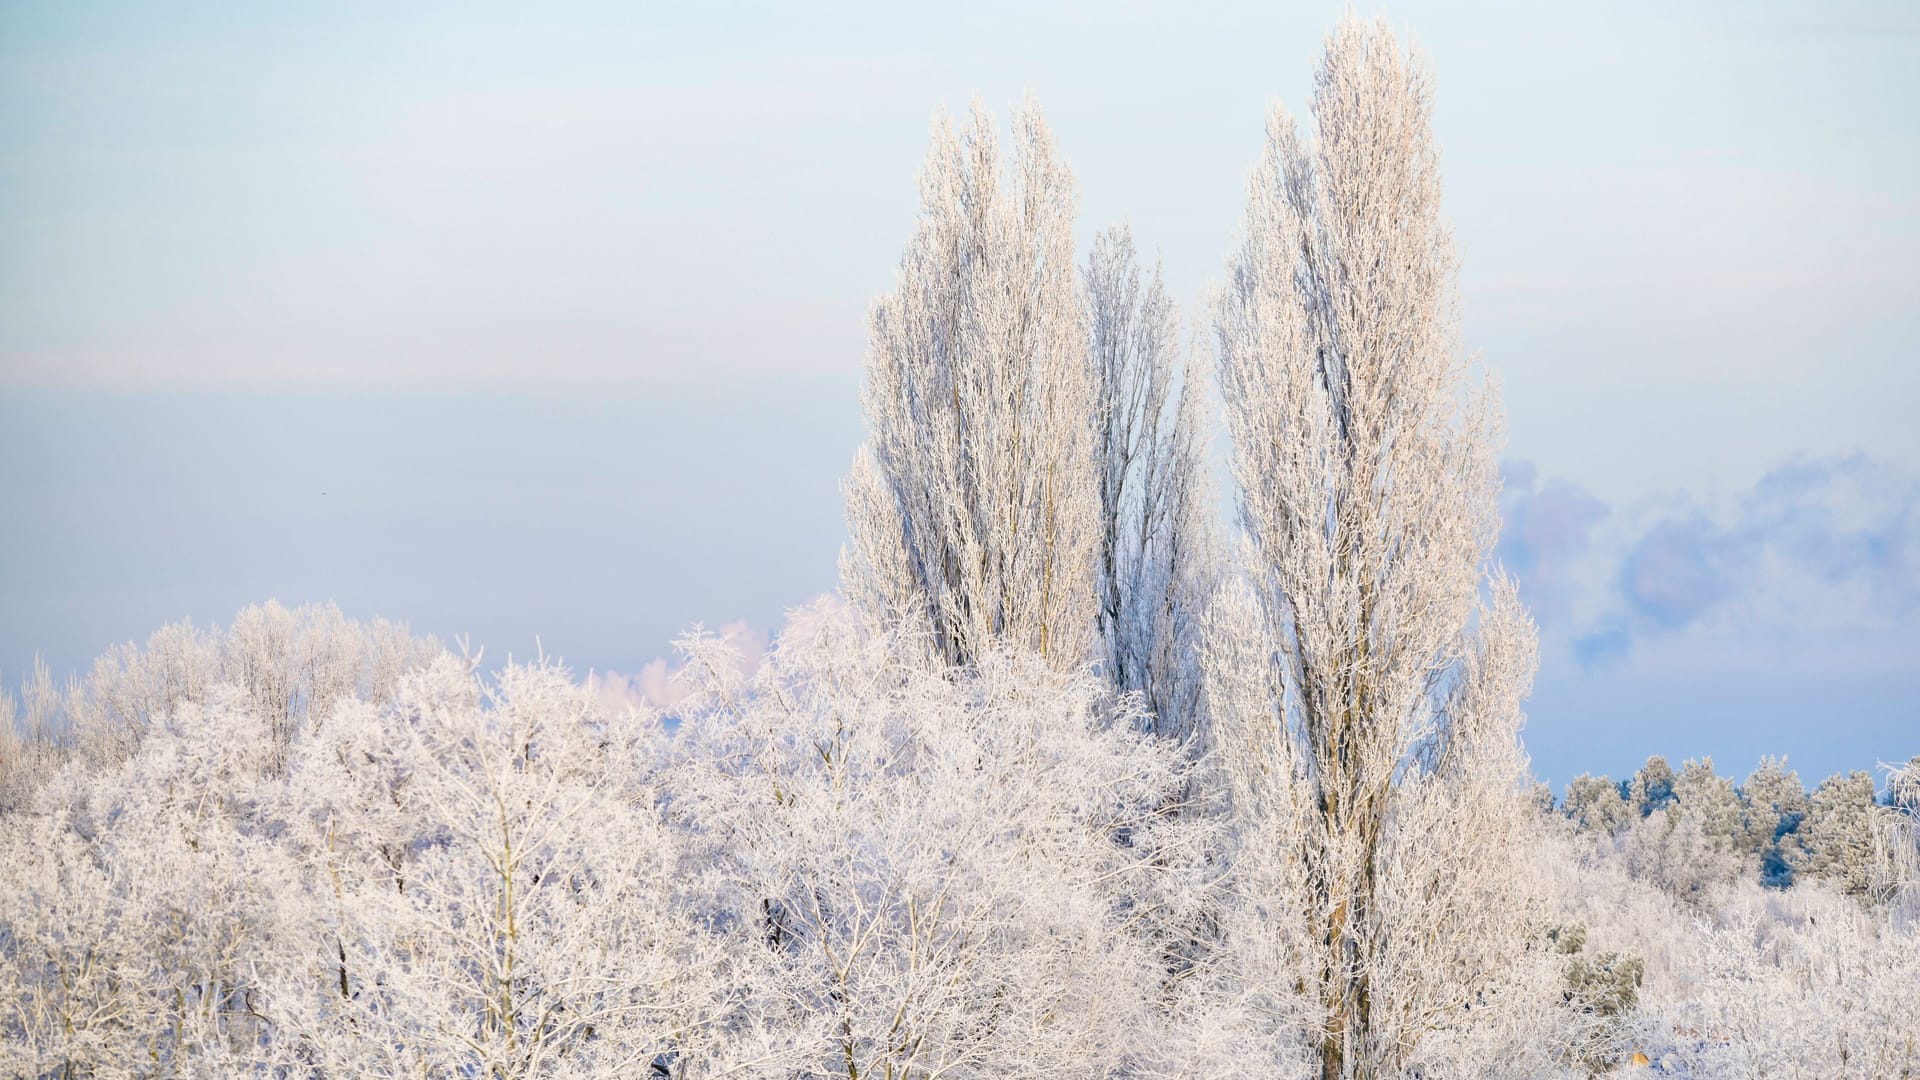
[660, 685]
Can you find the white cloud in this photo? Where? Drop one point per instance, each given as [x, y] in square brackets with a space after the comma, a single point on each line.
[1818, 563]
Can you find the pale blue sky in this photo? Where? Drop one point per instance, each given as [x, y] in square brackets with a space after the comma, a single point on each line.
[565, 313]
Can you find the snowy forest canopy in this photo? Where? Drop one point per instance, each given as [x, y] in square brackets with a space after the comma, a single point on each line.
[1069, 781]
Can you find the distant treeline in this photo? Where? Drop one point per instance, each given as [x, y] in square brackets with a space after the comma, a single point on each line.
[1768, 823]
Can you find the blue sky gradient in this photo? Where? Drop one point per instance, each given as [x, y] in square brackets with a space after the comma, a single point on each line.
[564, 312]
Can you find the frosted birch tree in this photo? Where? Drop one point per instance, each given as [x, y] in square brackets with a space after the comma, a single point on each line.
[1373, 744]
[976, 495]
[1156, 565]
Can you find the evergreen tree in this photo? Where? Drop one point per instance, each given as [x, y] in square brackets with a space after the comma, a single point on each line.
[1775, 802]
[1711, 801]
[1836, 840]
[1652, 786]
[1596, 805]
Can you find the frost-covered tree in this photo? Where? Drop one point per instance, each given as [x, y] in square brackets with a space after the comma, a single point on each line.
[495, 889]
[1366, 706]
[32, 743]
[134, 906]
[142, 876]
[1674, 851]
[1711, 801]
[1652, 787]
[1602, 990]
[1804, 984]
[976, 497]
[1689, 843]
[1775, 804]
[946, 874]
[1743, 980]
[1595, 804]
[290, 664]
[1899, 840]
[1156, 566]
[468, 879]
[1836, 842]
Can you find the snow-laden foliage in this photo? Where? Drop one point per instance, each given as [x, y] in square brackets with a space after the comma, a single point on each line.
[1065, 787]
[1737, 980]
[464, 878]
[1775, 804]
[1597, 804]
[486, 888]
[947, 876]
[136, 902]
[287, 664]
[854, 865]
